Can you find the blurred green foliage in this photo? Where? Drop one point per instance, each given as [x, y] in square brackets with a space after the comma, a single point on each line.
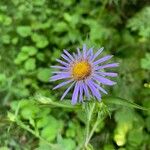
[33, 34]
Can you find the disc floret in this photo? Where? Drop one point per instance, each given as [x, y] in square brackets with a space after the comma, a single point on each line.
[81, 70]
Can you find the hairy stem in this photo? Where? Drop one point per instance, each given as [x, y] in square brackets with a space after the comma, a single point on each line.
[89, 112]
[92, 131]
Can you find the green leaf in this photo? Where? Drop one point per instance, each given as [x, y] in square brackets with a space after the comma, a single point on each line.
[29, 111]
[44, 74]
[135, 137]
[29, 49]
[32, 122]
[123, 102]
[124, 118]
[11, 116]
[6, 39]
[56, 54]
[15, 40]
[24, 31]
[43, 146]
[7, 21]
[2, 77]
[109, 147]
[4, 148]
[67, 144]
[22, 56]
[30, 64]
[60, 27]
[140, 22]
[121, 132]
[67, 3]
[146, 104]
[148, 123]
[39, 2]
[21, 90]
[40, 56]
[51, 130]
[70, 132]
[14, 105]
[124, 115]
[40, 40]
[145, 62]
[42, 122]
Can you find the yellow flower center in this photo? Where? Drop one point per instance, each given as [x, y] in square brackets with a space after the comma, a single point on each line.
[81, 70]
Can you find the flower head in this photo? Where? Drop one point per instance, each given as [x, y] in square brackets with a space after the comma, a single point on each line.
[85, 72]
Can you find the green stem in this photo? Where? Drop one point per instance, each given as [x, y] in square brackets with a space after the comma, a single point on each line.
[25, 127]
[55, 104]
[92, 131]
[22, 125]
[47, 101]
[89, 113]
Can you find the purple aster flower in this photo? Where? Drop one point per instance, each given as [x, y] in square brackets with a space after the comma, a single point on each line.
[85, 73]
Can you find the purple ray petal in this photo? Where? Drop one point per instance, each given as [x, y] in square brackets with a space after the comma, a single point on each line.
[60, 67]
[75, 56]
[59, 72]
[66, 92]
[94, 91]
[66, 58]
[86, 90]
[62, 84]
[91, 56]
[79, 53]
[110, 74]
[81, 92]
[90, 52]
[68, 54]
[59, 77]
[103, 59]
[62, 62]
[97, 53]
[75, 94]
[84, 51]
[107, 66]
[103, 80]
[100, 88]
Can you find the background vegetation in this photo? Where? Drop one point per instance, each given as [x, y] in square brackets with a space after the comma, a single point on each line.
[33, 34]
